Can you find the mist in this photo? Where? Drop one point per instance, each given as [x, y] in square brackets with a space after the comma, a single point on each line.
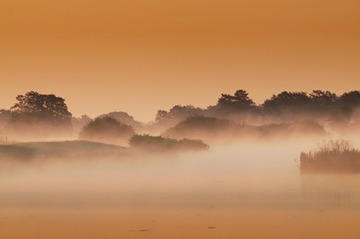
[152, 195]
[230, 169]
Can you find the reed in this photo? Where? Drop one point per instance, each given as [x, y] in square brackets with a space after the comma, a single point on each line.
[334, 156]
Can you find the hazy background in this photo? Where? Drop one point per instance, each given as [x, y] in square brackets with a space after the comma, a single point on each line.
[139, 56]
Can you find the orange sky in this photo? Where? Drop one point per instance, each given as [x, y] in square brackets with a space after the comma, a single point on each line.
[142, 55]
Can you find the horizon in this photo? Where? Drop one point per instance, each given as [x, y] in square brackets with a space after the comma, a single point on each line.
[190, 104]
[142, 56]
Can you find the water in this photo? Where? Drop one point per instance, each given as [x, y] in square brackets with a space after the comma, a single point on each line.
[236, 191]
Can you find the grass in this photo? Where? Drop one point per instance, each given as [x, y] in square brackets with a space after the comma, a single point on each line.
[59, 149]
[335, 156]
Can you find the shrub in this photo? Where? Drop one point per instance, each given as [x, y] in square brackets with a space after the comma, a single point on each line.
[159, 143]
[108, 130]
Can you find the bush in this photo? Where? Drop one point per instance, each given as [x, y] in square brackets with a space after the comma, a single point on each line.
[159, 143]
[334, 156]
[107, 130]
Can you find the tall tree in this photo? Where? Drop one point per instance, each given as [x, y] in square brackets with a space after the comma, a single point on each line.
[238, 102]
[288, 102]
[350, 99]
[43, 107]
[323, 101]
[323, 98]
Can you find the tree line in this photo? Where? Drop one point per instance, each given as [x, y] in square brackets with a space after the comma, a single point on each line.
[39, 113]
[285, 104]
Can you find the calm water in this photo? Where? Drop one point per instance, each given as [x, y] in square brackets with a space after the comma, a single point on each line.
[238, 191]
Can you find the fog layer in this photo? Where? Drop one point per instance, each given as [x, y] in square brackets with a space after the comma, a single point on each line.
[226, 191]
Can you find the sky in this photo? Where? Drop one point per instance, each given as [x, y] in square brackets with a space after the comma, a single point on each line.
[139, 56]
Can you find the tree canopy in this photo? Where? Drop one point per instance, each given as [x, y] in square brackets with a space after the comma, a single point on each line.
[238, 102]
[178, 112]
[108, 130]
[42, 106]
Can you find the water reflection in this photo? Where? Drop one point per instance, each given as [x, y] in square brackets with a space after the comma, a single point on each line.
[337, 190]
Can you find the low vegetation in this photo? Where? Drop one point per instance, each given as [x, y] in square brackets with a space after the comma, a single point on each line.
[159, 143]
[107, 130]
[335, 156]
[59, 149]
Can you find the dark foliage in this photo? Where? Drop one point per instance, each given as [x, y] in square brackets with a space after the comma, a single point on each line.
[285, 106]
[42, 107]
[107, 129]
[37, 116]
[178, 112]
[350, 99]
[323, 99]
[287, 103]
[159, 143]
[237, 103]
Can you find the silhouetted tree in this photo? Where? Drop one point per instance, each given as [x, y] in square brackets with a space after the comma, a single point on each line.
[39, 116]
[350, 99]
[162, 115]
[323, 98]
[42, 107]
[108, 130]
[178, 112]
[239, 102]
[288, 103]
[322, 102]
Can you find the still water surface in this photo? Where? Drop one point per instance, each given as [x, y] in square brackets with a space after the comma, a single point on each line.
[237, 191]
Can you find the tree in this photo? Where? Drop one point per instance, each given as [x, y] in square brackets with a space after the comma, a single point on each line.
[39, 116]
[350, 99]
[161, 115]
[123, 118]
[107, 130]
[239, 100]
[323, 98]
[178, 112]
[322, 102]
[288, 102]
[237, 103]
[42, 107]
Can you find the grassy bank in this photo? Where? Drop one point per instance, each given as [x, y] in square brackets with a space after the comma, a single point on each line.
[59, 149]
